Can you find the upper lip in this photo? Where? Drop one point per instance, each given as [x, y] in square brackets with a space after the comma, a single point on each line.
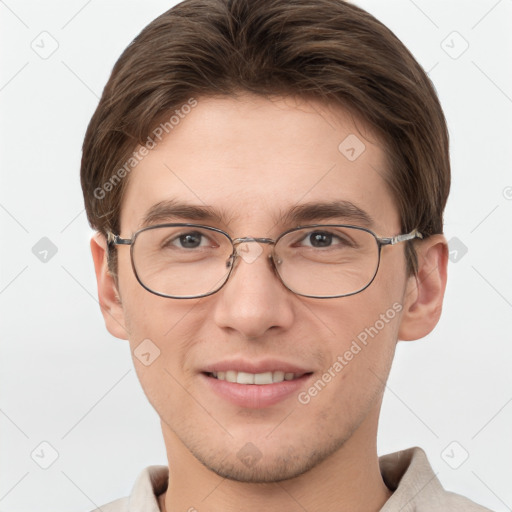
[265, 365]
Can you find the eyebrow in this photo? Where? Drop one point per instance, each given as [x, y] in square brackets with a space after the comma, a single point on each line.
[333, 210]
[340, 210]
[164, 211]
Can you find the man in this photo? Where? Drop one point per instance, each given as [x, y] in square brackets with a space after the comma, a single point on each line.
[267, 181]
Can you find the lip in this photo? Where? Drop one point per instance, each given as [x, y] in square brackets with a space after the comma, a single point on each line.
[265, 365]
[254, 396]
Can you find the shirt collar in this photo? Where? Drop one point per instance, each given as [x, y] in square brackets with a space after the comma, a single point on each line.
[407, 473]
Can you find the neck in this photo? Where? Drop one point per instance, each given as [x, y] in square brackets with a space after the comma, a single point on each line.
[349, 480]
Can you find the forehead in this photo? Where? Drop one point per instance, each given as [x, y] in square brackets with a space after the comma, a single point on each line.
[250, 161]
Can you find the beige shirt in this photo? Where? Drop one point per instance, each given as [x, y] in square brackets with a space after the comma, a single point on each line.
[407, 473]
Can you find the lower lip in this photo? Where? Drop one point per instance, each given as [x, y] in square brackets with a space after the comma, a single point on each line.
[256, 396]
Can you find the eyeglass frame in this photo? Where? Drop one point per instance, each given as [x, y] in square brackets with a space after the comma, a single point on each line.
[116, 240]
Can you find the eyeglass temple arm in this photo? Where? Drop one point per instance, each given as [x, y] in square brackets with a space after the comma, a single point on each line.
[117, 240]
[401, 238]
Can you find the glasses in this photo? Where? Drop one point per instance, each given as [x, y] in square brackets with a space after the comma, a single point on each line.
[186, 261]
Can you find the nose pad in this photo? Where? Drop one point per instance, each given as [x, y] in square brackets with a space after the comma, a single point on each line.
[230, 262]
[275, 261]
[249, 251]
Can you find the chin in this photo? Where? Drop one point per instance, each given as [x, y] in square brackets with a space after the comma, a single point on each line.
[249, 464]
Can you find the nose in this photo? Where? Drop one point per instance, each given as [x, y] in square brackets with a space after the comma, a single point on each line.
[254, 300]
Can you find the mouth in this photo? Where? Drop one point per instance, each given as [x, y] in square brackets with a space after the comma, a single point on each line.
[259, 379]
[255, 386]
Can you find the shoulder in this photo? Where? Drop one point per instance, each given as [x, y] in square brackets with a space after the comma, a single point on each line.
[416, 487]
[456, 502]
[151, 482]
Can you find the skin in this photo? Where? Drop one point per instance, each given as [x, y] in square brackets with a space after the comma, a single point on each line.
[253, 157]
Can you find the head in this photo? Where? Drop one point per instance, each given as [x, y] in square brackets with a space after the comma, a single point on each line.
[238, 115]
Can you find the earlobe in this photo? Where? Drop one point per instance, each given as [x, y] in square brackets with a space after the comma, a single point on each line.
[108, 296]
[424, 294]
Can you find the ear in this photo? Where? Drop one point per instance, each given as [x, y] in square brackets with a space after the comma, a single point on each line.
[108, 295]
[424, 293]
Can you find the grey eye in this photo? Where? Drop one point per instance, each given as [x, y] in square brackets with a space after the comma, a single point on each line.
[190, 240]
[320, 239]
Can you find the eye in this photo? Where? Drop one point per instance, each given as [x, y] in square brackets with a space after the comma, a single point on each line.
[191, 240]
[320, 239]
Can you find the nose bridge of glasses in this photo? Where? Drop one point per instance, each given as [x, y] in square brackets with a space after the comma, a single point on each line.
[248, 251]
[238, 241]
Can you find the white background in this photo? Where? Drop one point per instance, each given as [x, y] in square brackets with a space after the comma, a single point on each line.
[66, 381]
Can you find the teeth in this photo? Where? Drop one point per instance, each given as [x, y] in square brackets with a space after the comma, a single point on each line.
[278, 376]
[245, 378]
[261, 378]
[255, 378]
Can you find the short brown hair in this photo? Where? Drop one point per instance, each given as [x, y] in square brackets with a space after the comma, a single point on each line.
[327, 50]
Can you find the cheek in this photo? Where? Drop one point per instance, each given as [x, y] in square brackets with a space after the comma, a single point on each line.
[161, 336]
[169, 324]
[363, 333]
[165, 328]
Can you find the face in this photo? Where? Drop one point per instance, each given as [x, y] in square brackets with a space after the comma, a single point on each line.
[250, 160]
